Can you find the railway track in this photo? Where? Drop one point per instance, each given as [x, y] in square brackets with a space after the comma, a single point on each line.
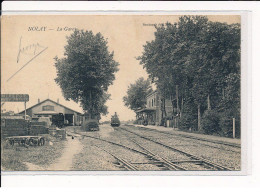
[193, 158]
[191, 137]
[160, 160]
[154, 159]
[121, 161]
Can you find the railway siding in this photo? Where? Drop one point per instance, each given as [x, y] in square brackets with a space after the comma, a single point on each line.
[202, 137]
[121, 150]
[229, 159]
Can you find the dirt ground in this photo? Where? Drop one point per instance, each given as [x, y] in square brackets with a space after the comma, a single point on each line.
[59, 156]
[64, 162]
[82, 153]
[20, 158]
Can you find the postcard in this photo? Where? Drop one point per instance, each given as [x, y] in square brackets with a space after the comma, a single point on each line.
[122, 93]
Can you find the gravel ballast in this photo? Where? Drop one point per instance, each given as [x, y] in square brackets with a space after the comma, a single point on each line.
[98, 158]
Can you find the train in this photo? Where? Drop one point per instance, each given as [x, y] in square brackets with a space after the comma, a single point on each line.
[115, 122]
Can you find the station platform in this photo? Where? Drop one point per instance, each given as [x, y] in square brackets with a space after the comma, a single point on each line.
[193, 135]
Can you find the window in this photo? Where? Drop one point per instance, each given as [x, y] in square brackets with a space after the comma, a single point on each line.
[48, 108]
[152, 102]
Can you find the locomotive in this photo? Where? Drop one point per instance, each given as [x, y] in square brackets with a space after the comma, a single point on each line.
[115, 122]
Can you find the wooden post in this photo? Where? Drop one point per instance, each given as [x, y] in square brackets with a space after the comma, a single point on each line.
[234, 128]
[24, 110]
[199, 123]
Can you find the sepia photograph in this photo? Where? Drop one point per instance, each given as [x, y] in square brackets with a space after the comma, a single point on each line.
[153, 93]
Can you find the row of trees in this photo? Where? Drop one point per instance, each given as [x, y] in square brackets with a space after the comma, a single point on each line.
[196, 63]
[86, 71]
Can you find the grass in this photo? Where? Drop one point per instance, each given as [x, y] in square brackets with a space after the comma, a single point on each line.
[13, 157]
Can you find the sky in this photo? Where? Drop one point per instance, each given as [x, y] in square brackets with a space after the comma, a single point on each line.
[125, 34]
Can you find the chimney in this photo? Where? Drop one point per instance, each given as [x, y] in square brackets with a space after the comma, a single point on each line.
[39, 100]
[58, 101]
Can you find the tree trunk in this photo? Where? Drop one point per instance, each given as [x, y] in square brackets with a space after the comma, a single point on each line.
[90, 108]
[177, 99]
[181, 107]
[164, 108]
[172, 100]
[209, 107]
[199, 118]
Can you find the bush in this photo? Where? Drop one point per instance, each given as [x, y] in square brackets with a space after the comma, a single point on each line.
[189, 117]
[210, 122]
[91, 126]
[187, 121]
[226, 126]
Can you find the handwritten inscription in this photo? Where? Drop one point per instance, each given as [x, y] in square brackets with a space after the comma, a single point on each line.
[31, 49]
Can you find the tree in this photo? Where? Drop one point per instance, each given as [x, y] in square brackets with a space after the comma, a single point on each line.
[194, 62]
[167, 58]
[86, 71]
[215, 56]
[136, 94]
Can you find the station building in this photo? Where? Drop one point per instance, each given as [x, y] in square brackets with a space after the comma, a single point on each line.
[48, 107]
[152, 113]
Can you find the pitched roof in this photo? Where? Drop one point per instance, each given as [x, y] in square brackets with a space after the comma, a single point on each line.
[52, 102]
[146, 110]
[155, 91]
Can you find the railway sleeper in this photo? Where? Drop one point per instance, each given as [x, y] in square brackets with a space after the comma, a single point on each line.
[204, 161]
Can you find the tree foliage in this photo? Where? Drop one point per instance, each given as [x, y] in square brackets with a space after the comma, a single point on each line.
[136, 94]
[86, 71]
[202, 58]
